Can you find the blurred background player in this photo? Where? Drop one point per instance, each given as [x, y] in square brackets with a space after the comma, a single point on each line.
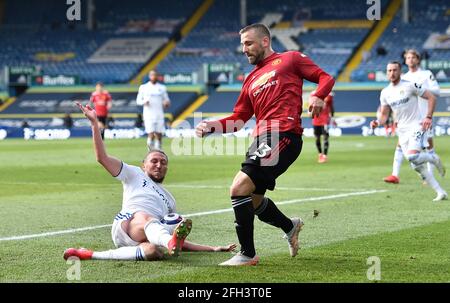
[137, 231]
[102, 102]
[426, 80]
[154, 99]
[401, 97]
[321, 124]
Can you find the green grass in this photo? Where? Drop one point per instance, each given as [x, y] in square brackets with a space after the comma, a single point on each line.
[57, 185]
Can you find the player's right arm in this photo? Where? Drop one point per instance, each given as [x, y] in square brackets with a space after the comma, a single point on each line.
[242, 112]
[140, 97]
[382, 116]
[111, 164]
[91, 100]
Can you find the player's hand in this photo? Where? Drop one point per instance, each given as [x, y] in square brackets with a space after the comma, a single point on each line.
[88, 111]
[202, 129]
[427, 123]
[374, 124]
[230, 247]
[315, 106]
[166, 104]
[333, 122]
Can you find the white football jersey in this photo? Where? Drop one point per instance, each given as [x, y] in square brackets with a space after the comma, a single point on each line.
[426, 79]
[403, 99]
[140, 193]
[156, 94]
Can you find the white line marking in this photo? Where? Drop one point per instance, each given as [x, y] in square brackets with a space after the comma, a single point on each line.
[54, 233]
[69, 231]
[184, 186]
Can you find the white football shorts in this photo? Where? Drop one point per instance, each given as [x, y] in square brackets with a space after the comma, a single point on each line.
[119, 236]
[154, 126]
[413, 138]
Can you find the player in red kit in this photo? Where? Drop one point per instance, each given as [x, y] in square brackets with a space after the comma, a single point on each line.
[320, 125]
[102, 102]
[273, 93]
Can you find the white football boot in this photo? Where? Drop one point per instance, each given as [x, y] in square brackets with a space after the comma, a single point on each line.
[240, 260]
[292, 236]
[441, 196]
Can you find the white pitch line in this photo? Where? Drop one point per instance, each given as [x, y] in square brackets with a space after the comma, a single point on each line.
[183, 186]
[54, 233]
[69, 231]
[278, 187]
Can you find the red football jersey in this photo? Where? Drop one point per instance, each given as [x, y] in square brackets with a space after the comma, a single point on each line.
[101, 101]
[324, 117]
[273, 93]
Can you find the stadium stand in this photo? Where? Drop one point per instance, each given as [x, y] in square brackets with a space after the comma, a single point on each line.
[426, 18]
[215, 39]
[40, 35]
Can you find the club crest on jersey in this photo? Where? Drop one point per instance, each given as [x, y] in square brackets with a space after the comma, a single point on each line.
[263, 79]
[276, 62]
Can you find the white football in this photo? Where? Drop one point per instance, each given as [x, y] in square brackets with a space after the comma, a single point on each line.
[170, 221]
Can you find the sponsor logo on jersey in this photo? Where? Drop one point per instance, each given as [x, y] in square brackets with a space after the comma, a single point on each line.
[399, 102]
[263, 79]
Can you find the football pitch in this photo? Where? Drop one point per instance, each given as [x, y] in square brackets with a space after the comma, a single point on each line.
[53, 195]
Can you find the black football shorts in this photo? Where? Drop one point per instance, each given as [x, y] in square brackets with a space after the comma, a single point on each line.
[269, 156]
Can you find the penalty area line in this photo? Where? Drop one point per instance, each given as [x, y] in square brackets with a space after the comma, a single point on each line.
[219, 211]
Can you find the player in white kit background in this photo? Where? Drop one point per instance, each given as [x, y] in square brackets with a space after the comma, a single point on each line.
[154, 98]
[402, 97]
[425, 79]
[137, 230]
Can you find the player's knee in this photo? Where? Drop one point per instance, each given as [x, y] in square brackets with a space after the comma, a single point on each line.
[412, 158]
[151, 252]
[242, 186]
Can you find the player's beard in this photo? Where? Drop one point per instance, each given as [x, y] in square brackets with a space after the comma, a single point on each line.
[157, 180]
[256, 57]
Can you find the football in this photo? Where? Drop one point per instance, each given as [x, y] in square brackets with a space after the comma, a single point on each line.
[170, 221]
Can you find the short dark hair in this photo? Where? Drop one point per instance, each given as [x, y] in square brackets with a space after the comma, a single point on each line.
[260, 28]
[395, 62]
[155, 150]
[99, 83]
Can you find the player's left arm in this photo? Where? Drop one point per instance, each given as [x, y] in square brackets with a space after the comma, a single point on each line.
[310, 71]
[432, 85]
[331, 105]
[166, 100]
[190, 246]
[108, 101]
[431, 99]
